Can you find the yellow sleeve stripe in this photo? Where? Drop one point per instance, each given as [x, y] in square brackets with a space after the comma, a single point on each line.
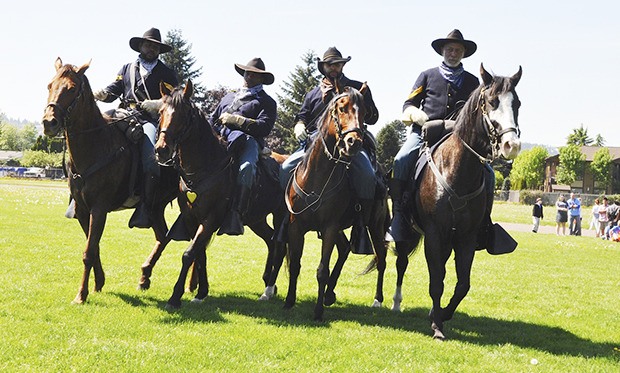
[415, 92]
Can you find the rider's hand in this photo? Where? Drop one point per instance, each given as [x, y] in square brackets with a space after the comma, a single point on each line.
[300, 132]
[151, 106]
[100, 95]
[233, 121]
[414, 115]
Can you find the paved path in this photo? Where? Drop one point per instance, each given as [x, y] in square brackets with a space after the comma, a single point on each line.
[543, 229]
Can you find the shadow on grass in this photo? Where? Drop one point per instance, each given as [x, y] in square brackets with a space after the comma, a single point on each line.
[478, 330]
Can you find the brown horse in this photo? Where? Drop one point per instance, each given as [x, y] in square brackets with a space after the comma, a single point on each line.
[320, 198]
[101, 166]
[209, 176]
[450, 201]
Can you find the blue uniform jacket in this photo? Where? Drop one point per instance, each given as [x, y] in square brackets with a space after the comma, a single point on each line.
[436, 96]
[121, 87]
[261, 108]
[313, 105]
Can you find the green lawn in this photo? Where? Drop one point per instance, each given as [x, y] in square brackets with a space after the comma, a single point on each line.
[555, 299]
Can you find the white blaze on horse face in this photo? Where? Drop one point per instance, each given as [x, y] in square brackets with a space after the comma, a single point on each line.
[510, 145]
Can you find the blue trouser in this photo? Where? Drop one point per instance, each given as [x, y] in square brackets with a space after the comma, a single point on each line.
[361, 173]
[247, 150]
[407, 156]
[149, 163]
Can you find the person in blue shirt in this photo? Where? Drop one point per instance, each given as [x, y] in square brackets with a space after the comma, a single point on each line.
[244, 118]
[574, 212]
[137, 86]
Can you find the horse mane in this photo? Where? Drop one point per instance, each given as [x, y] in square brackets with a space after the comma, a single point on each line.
[177, 100]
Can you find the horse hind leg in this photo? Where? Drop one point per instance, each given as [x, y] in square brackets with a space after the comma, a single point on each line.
[160, 229]
[342, 245]
[322, 272]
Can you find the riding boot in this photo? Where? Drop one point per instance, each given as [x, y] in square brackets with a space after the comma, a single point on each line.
[141, 218]
[400, 229]
[485, 233]
[233, 222]
[360, 239]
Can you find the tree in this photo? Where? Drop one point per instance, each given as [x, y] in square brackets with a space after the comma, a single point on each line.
[300, 82]
[601, 166]
[182, 62]
[571, 164]
[579, 137]
[390, 138]
[49, 145]
[528, 169]
[40, 158]
[13, 138]
[600, 141]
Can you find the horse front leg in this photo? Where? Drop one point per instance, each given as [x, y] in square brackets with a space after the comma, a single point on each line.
[265, 232]
[295, 247]
[278, 258]
[92, 224]
[160, 229]
[380, 245]
[436, 259]
[402, 262]
[200, 272]
[463, 261]
[198, 243]
[322, 272]
[342, 244]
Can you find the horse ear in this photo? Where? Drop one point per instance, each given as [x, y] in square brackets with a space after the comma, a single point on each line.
[84, 67]
[58, 63]
[486, 77]
[516, 77]
[163, 89]
[189, 90]
[364, 88]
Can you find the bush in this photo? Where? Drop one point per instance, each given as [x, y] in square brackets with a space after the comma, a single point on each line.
[528, 197]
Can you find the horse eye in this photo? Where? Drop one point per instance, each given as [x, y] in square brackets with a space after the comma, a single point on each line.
[494, 102]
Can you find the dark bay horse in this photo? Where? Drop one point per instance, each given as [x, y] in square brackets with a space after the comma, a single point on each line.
[208, 179]
[450, 202]
[320, 198]
[101, 166]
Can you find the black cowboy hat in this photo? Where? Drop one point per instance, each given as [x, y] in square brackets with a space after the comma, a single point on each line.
[331, 55]
[455, 36]
[256, 65]
[151, 35]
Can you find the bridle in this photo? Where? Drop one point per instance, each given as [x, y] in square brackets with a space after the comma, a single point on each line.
[182, 136]
[340, 135]
[65, 113]
[494, 136]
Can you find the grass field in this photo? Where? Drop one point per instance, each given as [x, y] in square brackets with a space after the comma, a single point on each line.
[555, 300]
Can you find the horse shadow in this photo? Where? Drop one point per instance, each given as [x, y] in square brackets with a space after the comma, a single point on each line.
[477, 330]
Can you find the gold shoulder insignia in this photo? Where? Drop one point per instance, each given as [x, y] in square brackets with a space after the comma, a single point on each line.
[119, 77]
[415, 92]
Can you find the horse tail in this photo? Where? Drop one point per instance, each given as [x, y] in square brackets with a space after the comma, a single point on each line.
[373, 262]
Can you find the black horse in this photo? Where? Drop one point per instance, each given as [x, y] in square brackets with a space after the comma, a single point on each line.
[208, 179]
[450, 201]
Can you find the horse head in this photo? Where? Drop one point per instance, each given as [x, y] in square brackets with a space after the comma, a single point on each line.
[500, 107]
[65, 91]
[174, 120]
[344, 121]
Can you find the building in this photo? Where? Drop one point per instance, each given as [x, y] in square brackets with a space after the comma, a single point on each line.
[585, 183]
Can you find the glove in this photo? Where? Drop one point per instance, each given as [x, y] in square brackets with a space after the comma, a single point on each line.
[151, 106]
[414, 115]
[300, 132]
[100, 95]
[233, 121]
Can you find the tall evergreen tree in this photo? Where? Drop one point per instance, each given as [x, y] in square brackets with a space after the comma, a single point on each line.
[390, 138]
[182, 62]
[300, 82]
[579, 137]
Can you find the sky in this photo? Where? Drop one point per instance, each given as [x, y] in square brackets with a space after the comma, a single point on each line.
[568, 50]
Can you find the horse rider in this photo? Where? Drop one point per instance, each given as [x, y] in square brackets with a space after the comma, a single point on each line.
[137, 85]
[435, 95]
[361, 171]
[244, 118]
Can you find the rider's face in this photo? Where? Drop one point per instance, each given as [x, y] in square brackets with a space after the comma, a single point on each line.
[149, 50]
[333, 70]
[252, 79]
[453, 54]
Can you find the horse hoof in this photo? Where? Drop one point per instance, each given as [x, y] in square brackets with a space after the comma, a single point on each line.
[198, 300]
[172, 307]
[376, 304]
[144, 285]
[269, 293]
[396, 307]
[330, 299]
[438, 336]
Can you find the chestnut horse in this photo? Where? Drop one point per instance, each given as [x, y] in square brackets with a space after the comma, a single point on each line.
[208, 179]
[101, 166]
[320, 198]
[450, 201]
